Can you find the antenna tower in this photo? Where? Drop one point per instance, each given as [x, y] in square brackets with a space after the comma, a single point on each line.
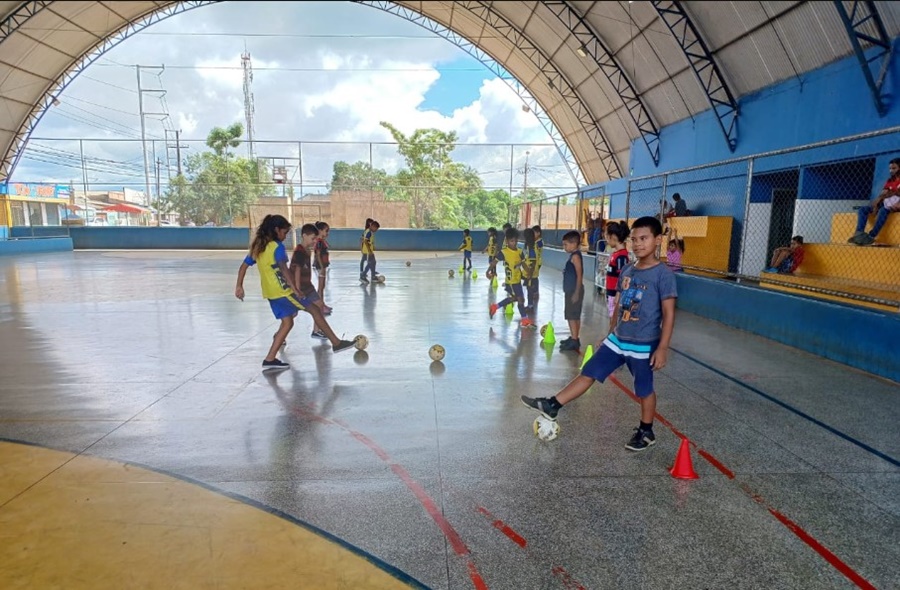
[249, 109]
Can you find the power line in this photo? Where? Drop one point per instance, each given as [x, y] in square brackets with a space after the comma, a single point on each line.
[318, 69]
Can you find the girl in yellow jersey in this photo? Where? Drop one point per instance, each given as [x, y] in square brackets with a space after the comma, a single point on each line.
[267, 250]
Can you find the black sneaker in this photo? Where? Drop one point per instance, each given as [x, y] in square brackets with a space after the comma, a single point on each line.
[543, 405]
[319, 334]
[343, 345]
[363, 279]
[641, 440]
[570, 344]
[276, 364]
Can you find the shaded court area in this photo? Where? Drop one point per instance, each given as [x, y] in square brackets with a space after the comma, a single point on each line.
[138, 428]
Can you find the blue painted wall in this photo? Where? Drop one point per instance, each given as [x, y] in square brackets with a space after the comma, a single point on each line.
[35, 246]
[833, 101]
[854, 336]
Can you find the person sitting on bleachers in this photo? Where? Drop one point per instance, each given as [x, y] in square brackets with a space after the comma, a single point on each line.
[887, 201]
[785, 260]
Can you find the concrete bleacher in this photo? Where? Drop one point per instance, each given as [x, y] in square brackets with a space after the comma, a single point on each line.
[870, 271]
[707, 241]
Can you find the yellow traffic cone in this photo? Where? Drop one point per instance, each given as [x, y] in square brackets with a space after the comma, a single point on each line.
[474, 274]
[494, 283]
[588, 353]
[549, 336]
[509, 310]
[461, 269]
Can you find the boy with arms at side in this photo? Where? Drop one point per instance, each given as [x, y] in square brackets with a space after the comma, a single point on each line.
[513, 258]
[368, 250]
[573, 289]
[639, 337]
[530, 270]
[491, 250]
[321, 262]
[364, 259]
[466, 248]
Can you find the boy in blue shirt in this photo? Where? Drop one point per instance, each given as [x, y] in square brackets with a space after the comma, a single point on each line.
[639, 334]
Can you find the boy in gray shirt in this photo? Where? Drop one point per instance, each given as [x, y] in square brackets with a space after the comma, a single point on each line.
[640, 331]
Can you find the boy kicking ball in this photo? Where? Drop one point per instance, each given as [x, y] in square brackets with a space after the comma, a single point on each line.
[639, 333]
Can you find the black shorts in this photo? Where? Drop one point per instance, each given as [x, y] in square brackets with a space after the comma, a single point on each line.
[573, 310]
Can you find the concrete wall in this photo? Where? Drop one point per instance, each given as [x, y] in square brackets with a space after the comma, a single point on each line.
[854, 336]
[34, 246]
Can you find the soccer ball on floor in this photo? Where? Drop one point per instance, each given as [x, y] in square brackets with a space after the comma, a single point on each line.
[361, 342]
[450, 273]
[543, 330]
[545, 428]
[408, 262]
[436, 352]
[379, 278]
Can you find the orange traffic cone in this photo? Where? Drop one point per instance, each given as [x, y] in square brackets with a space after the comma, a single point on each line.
[684, 468]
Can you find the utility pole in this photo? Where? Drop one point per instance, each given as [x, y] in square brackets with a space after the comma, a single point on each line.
[143, 113]
[158, 196]
[177, 147]
[249, 107]
[143, 133]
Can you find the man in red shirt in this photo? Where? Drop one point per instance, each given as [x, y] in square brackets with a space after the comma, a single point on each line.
[887, 201]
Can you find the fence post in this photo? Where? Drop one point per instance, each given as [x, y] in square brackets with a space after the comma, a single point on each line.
[746, 222]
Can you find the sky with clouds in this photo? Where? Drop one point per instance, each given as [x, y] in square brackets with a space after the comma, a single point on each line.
[325, 74]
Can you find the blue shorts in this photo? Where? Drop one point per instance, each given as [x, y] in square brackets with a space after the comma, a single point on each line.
[287, 307]
[614, 353]
[515, 291]
[467, 254]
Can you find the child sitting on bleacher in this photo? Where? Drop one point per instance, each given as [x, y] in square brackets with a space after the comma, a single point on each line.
[787, 259]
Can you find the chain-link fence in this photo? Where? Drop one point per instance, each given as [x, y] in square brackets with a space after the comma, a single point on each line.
[178, 181]
[816, 220]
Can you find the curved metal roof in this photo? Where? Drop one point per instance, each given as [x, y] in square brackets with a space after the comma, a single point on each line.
[606, 73]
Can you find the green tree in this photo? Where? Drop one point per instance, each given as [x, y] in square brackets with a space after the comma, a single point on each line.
[359, 176]
[431, 182]
[217, 185]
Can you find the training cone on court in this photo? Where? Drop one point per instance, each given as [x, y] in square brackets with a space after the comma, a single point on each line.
[684, 467]
[461, 269]
[588, 353]
[549, 336]
[494, 282]
[474, 274]
[509, 310]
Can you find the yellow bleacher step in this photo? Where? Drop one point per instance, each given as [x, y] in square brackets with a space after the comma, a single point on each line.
[843, 225]
[869, 264]
[874, 290]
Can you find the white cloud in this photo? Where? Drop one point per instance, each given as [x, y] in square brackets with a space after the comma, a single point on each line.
[322, 73]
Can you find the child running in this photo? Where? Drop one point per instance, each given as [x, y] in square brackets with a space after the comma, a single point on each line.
[639, 337]
[491, 250]
[513, 258]
[267, 250]
[530, 270]
[301, 268]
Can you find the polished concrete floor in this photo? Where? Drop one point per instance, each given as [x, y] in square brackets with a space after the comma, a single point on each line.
[141, 446]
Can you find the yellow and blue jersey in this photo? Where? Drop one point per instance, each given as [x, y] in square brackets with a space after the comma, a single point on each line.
[274, 285]
[531, 261]
[368, 245]
[512, 259]
[466, 246]
[539, 249]
[492, 246]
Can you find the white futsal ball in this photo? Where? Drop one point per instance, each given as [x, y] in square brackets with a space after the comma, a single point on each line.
[436, 352]
[545, 428]
[408, 263]
[361, 342]
[379, 279]
[450, 273]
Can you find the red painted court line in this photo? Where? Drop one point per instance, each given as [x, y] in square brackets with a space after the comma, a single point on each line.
[566, 578]
[503, 528]
[459, 547]
[816, 546]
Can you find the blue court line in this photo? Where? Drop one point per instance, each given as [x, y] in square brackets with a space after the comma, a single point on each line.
[384, 566]
[790, 408]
